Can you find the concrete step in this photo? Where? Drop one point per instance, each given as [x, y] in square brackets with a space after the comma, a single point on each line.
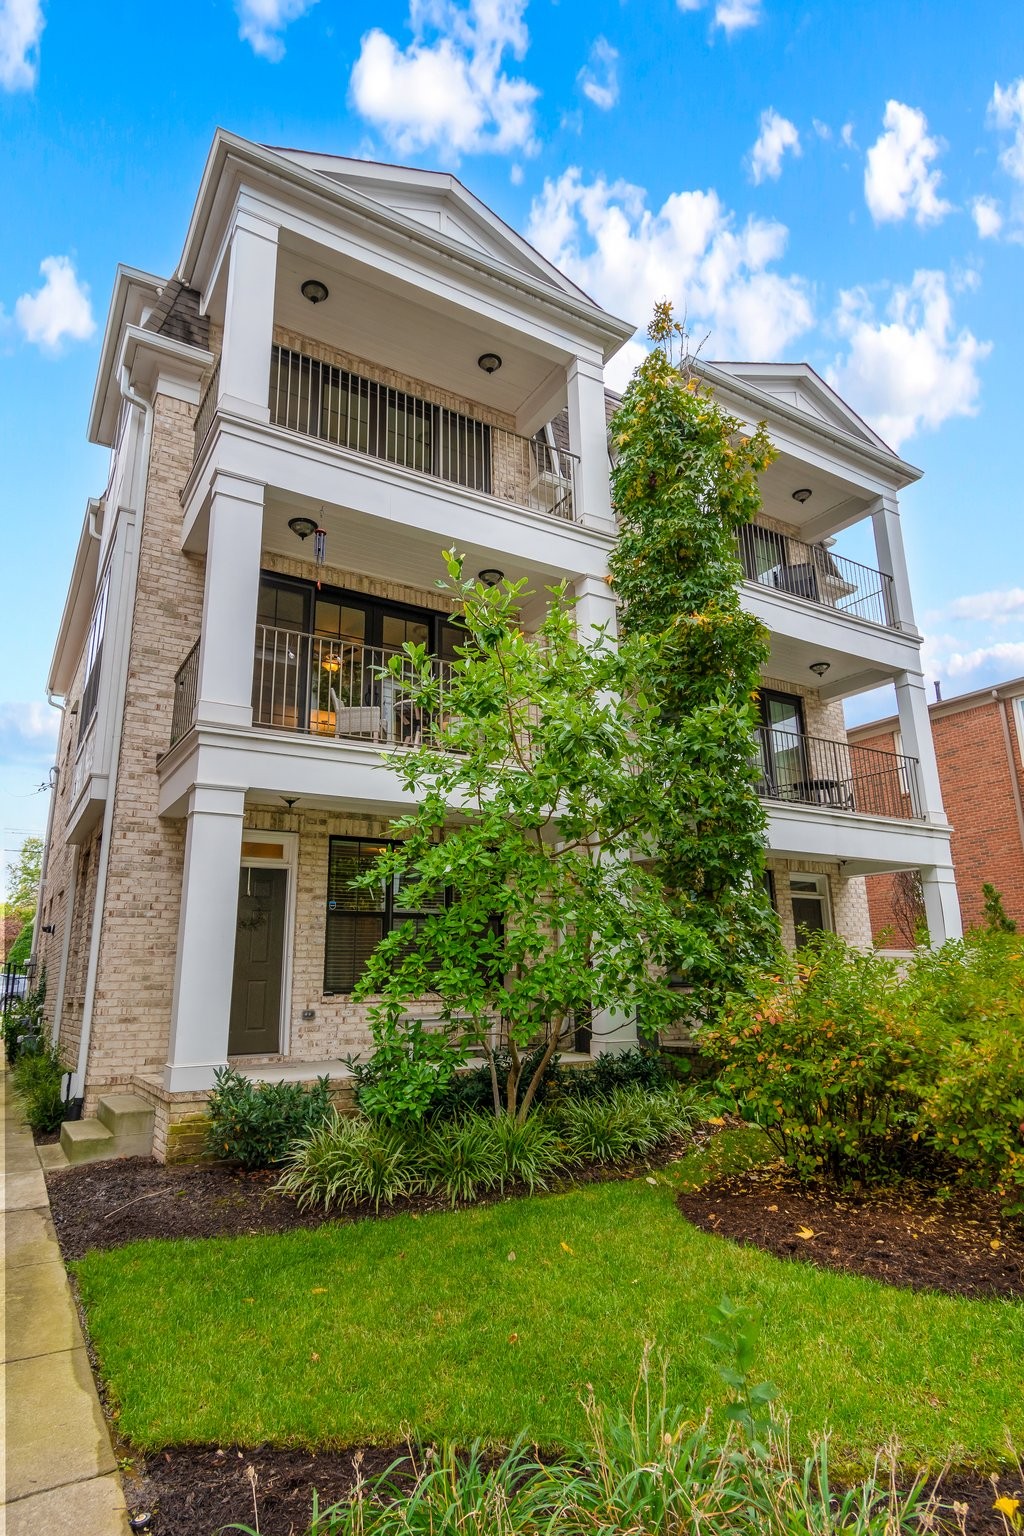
[52, 1157]
[86, 1141]
[126, 1115]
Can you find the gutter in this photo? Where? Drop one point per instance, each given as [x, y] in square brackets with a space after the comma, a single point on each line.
[78, 1082]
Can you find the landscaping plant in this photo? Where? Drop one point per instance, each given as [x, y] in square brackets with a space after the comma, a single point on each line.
[818, 1056]
[39, 1076]
[255, 1124]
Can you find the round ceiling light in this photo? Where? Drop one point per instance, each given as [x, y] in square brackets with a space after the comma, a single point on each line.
[802, 495]
[490, 362]
[302, 527]
[819, 668]
[491, 576]
[314, 290]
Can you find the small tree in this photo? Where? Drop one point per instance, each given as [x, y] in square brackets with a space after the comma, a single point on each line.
[535, 795]
[685, 482]
[996, 917]
[23, 875]
[908, 907]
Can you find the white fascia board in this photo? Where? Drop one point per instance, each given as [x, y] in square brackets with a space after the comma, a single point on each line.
[77, 615]
[150, 357]
[129, 284]
[330, 476]
[896, 472]
[861, 844]
[234, 163]
[828, 630]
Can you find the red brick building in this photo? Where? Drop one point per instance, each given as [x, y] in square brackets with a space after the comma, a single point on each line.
[979, 745]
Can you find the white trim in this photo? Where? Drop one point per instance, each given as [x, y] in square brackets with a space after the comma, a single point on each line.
[289, 862]
[822, 890]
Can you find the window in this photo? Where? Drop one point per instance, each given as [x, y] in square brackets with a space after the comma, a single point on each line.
[809, 896]
[357, 920]
[781, 740]
[94, 656]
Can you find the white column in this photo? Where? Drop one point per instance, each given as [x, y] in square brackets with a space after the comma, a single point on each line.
[595, 607]
[229, 603]
[916, 738]
[892, 560]
[588, 438]
[941, 904]
[249, 318]
[204, 968]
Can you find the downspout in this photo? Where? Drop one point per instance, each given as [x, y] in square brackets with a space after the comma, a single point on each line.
[78, 1083]
[1011, 764]
[37, 929]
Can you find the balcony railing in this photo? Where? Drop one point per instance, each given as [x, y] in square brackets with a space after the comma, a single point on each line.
[186, 693]
[326, 687]
[816, 574]
[810, 770]
[323, 401]
[207, 410]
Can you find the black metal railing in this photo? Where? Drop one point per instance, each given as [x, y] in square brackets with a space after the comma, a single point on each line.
[811, 770]
[817, 574]
[329, 687]
[327, 402]
[207, 410]
[186, 694]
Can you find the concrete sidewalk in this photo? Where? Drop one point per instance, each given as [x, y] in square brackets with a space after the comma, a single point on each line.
[59, 1473]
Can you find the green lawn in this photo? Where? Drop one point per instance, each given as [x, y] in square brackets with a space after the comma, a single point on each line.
[492, 1321]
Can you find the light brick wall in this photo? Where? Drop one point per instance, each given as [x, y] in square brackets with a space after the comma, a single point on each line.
[132, 1009]
[848, 899]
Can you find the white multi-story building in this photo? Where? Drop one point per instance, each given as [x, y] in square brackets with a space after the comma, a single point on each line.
[354, 367]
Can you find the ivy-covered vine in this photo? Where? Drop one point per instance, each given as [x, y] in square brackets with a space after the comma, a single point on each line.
[685, 481]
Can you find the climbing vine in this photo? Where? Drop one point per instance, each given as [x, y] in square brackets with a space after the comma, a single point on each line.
[685, 481]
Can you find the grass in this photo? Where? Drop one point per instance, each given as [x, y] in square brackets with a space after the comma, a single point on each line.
[492, 1322]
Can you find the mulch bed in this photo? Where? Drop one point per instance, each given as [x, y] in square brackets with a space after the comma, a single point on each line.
[197, 1490]
[104, 1205]
[909, 1236]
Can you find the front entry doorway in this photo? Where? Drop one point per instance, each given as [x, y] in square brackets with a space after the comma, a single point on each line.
[255, 1025]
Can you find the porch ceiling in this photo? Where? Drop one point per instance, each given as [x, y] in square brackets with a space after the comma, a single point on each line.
[372, 547]
[848, 672]
[423, 336]
[834, 502]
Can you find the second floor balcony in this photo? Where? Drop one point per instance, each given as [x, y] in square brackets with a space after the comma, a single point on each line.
[835, 775]
[346, 410]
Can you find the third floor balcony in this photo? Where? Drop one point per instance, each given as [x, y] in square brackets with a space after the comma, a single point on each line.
[815, 573]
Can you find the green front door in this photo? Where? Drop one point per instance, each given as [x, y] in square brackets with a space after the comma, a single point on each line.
[255, 1027]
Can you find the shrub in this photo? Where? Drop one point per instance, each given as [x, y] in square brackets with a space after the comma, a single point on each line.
[461, 1158]
[530, 1151]
[968, 1000]
[818, 1057]
[39, 1077]
[22, 1023]
[256, 1123]
[626, 1124]
[344, 1160]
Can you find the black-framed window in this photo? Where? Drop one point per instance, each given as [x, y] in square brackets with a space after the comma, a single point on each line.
[781, 740]
[357, 920]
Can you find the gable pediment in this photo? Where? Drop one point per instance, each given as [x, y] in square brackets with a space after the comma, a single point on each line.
[799, 387]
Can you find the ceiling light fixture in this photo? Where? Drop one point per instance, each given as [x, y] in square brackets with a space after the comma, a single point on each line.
[490, 362]
[302, 527]
[819, 668]
[491, 576]
[314, 290]
[802, 495]
[291, 801]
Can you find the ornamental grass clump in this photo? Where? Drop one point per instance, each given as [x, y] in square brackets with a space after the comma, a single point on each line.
[627, 1124]
[819, 1055]
[348, 1160]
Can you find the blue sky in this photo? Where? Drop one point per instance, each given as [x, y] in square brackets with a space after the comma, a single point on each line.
[841, 183]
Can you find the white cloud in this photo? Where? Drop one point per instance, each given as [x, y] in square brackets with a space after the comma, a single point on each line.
[21, 27]
[690, 250]
[731, 15]
[898, 179]
[910, 369]
[776, 136]
[599, 77]
[821, 129]
[846, 135]
[987, 218]
[1006, 112]
[448, 90]
[28, 733]
[997, 662]
[996, 607]
[59, 309]
[261, 22]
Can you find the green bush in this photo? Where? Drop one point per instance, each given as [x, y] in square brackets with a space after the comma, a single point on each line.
[21, 1025]
[629, 1123]
[529, 1153]
[460, 1159]
[39, 1078]
[255, 1124]
[348, 1159]
[819, 1057]
[968, 1000]
[22, 946]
